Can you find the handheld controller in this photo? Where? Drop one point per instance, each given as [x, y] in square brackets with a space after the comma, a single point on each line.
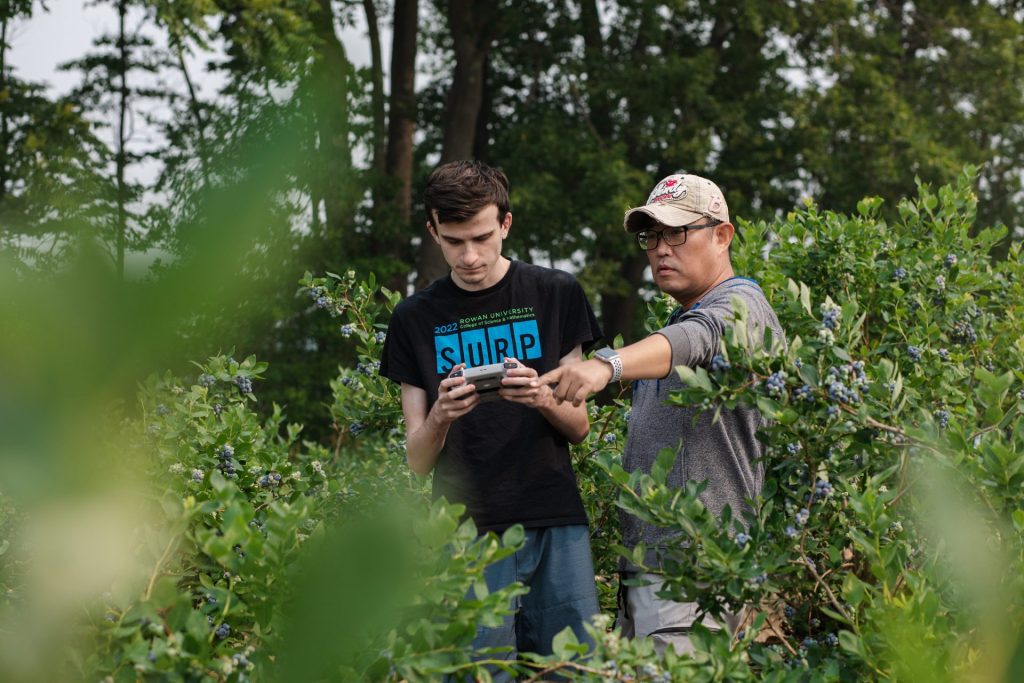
[486, 378]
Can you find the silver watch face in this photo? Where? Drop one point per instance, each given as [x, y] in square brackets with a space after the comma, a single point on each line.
[606, 353]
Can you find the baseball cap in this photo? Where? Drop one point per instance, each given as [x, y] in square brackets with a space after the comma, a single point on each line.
[679, 199]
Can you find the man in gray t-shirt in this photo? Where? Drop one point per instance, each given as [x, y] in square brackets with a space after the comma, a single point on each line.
[686, 231]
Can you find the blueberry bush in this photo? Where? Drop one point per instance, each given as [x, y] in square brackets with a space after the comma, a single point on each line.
[888, 542]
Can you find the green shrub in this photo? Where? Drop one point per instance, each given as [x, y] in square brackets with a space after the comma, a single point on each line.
[888, 541]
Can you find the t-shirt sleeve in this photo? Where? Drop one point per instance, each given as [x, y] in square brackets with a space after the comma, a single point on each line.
[580, 326]
[697, 336]
[397, 360]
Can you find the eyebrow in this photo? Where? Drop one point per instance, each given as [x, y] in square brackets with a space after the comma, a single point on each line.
[483, 236]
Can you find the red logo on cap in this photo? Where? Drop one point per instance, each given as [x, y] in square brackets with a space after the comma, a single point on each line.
[667, 189]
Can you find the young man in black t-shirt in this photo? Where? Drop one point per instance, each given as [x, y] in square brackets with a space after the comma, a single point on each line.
[507, 461]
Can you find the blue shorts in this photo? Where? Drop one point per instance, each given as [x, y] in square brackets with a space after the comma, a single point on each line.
[555, 564]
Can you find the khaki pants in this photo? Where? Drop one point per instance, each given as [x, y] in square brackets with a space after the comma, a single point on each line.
[642, 614]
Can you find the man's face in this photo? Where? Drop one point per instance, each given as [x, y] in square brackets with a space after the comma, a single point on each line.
[688, 270]
[472, 248]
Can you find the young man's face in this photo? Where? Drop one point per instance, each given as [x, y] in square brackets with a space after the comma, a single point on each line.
[687, 271]
[472, 248]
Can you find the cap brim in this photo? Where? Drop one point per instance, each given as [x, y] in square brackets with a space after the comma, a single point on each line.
[641, 217]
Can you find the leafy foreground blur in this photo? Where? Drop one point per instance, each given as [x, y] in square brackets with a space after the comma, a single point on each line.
[888, 544]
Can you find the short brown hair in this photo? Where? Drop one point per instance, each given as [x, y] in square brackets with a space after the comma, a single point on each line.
[458, 190]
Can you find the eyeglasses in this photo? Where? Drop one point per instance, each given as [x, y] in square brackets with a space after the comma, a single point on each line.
[673, 236]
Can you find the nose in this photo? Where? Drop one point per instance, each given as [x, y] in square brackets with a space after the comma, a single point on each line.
[469, 255]
[663, 248]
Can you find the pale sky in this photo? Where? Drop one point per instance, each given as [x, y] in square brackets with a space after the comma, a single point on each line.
[66, 32]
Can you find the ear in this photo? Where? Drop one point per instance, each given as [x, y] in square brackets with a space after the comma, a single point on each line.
[724, 234]
[433, 232]
[506, 225]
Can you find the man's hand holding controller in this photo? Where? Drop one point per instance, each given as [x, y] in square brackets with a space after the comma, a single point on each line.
[516, 386]
[455, 397]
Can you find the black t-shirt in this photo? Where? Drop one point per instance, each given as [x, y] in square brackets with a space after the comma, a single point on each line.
[503, 461]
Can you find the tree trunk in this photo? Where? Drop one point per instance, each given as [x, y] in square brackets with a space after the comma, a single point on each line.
[402, 122]
[330, 76]
[469, 23]
[401, 126]
[377, 96]
[593, 49]
[194, 108]
[4, 130]
[121, 159]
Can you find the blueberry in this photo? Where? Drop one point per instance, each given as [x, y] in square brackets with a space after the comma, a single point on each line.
[321, 302]
[151, 656]
[793, 448]
[963, 333]
[244, 384]
[217, 409]
[346, 381]
[789, 611]
[355, 428]
[803, 516]
[823, 488]
[347, 330]
[223, 631]
[899, 274]
[207, 380]
[943, 354]
[830, 319]
[808, 643]
[380, 336]
[943, 417]
[742, 539]
[198, 475]
[833, 411]
[804, 393]
[950, 260]
[226, 452]
[610, 438]
[719, 363]
[791, 531]
[776, 383]
[831, 640]
[940, 282]
[838, 391]
[914, 353]
[211, 598]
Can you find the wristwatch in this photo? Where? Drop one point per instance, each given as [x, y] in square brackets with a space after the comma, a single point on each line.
[612, 358]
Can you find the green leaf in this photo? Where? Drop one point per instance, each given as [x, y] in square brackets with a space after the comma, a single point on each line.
[852, 644]
[513, 536]
[565, 644]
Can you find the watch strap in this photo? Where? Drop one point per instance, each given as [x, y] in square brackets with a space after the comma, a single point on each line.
[612, 358]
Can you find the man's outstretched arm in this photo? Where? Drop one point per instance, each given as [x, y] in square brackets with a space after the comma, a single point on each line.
[649, 358]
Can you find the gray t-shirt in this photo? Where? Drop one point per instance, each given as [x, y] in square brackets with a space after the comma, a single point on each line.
[726, 454]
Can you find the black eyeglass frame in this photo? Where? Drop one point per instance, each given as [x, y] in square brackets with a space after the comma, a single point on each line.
[642, 236]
